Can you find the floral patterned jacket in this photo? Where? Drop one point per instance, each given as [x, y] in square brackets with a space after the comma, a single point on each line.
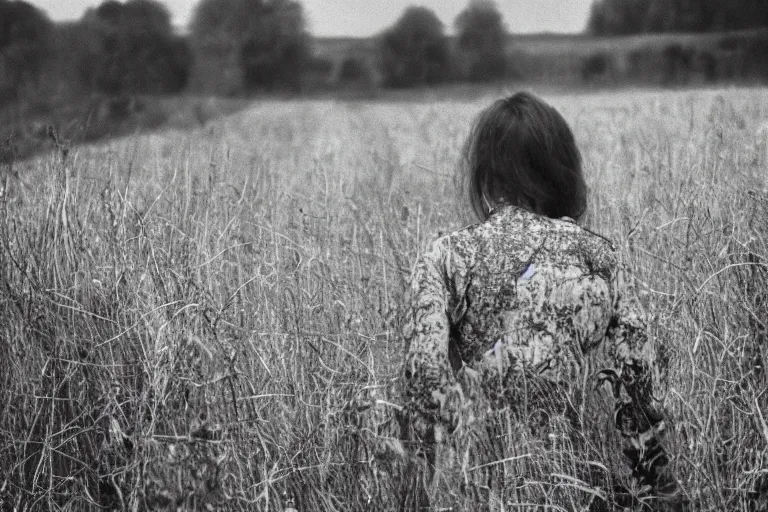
[522, 294]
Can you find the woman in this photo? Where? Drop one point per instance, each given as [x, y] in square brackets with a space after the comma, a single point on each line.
[511, 317]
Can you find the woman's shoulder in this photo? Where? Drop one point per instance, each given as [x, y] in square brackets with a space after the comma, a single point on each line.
[561, 238]
[514, 229]
[460, 241]
[597, 252]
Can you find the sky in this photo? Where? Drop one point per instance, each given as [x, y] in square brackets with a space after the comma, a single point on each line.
[361, 18]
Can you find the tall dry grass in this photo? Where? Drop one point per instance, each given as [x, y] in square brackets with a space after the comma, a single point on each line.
[209, 320]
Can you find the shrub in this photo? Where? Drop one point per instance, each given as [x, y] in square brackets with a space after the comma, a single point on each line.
[481, 42]
[415, 50]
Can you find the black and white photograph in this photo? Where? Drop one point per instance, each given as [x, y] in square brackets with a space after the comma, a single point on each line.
[384, 256]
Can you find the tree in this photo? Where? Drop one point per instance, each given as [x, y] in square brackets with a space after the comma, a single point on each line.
[597, 23]
[415, 50]
[266, 39]
[131, 48]
[481, 41]
[25, 35]
[617, 17]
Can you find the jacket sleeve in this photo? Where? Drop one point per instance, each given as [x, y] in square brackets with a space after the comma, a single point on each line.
[637, 415]
[432, 395]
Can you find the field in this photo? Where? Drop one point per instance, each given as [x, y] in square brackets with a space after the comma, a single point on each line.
[209, 319]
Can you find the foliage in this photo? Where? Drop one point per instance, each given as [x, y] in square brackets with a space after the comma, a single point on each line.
[267, 39]
[131, 48]
[415, 50]
[619, 17]
[25, 40]
[481, 44]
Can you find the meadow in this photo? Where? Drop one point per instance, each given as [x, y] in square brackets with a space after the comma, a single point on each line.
[209, 319]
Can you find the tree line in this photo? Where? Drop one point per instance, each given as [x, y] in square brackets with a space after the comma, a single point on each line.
[624, 17]
[241, 46]
[737, 53]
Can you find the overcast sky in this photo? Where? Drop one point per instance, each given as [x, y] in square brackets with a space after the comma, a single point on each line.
[368, 17]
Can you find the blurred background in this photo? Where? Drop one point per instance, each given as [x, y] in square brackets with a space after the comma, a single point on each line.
[93, 69]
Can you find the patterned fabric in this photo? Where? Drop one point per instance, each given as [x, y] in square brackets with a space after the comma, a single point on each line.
[523, 309]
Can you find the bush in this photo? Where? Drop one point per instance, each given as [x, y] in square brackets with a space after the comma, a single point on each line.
[481, 42]
[267, 39]
[415, 50]
[131, 49]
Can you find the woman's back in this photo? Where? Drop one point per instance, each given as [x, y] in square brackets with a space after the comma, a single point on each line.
[511, 321]
[537, 288]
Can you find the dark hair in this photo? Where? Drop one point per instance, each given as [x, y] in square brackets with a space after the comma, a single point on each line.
[522, 152]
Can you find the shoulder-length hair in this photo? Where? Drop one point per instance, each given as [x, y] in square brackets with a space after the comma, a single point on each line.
[522, 152]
